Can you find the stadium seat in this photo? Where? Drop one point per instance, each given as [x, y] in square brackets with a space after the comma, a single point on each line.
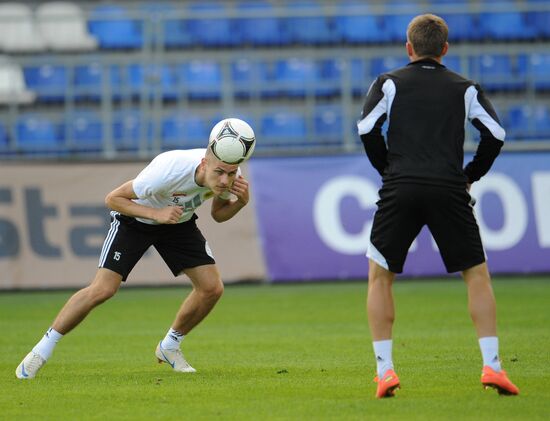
[250, 78]
[453, 63]
[200, 79]
[506, 25]
[357, 25]
[19, 31]
[499, 72]
[184, 130]
[63, 27]
[263, 28]
[394, 24]
[380, 65]
[328, 127]
[13, 89]
[539, 19]
[296, 77]
[209, 25]
[88, 81]
[130, 130]
[310, 28]
[361, 76]
[539, 74]
[152, 79]
[36, 133]
[282, 127]
[4, 139]
[84, 129]
[48, 81]
[114, 29]
[170, 29]
[329, 77]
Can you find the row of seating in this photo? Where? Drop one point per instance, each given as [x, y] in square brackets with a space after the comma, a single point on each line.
[85, 131]
[62, 25]
[296, 77]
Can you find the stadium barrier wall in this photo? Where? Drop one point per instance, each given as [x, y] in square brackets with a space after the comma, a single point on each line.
[53, 221]
[315, 216]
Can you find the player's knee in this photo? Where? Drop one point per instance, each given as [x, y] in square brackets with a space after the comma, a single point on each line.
[100, 294]
[212, 291]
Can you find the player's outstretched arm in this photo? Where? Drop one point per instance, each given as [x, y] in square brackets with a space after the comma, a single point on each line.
[120, 200]
[222, 210]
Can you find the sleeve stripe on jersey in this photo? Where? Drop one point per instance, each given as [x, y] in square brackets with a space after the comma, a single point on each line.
[383, 106]
[474, 110]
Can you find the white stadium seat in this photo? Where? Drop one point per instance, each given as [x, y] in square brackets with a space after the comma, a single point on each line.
[19, 32]
[63, 27]
[12, 84]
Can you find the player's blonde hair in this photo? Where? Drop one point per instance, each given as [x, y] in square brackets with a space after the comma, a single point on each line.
[428, 35]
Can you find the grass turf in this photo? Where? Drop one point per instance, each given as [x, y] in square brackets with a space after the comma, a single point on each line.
[278, 352]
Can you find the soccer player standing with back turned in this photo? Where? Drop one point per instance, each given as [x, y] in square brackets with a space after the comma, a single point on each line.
[424, 184]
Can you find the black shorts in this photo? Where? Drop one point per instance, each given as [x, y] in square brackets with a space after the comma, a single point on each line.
[180, 245]
[403, 210]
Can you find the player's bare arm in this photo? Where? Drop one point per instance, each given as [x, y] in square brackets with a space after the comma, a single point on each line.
[120, 200]
[222, 210]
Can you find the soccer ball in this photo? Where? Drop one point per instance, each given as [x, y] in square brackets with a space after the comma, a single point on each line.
[232, 141]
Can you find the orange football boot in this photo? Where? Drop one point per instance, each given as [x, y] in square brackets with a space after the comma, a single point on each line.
[387, 385]
[499, 381]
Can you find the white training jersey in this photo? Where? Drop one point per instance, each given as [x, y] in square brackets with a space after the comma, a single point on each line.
[169, 180]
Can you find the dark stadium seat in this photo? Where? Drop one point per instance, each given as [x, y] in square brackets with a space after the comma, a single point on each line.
[539, 20]
[539, 73]
[184, 130]
[200, 79]
[356, 28]
[48, 81]
[37, 133]
[329, 77]
[213, 28]
[328, 127]
[499, 72]
[263, 29]
[169, 29]
[85, 128]
[311, 29]
[283, 127]
[114, 28]
[249, 78]
[4, 139]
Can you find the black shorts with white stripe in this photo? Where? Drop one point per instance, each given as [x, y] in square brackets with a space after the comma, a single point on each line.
[181, 246]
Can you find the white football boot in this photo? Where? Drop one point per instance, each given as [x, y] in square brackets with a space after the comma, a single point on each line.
[174, 358]
[29, 366]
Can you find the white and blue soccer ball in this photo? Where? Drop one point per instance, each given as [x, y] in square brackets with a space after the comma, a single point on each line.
[232, 141]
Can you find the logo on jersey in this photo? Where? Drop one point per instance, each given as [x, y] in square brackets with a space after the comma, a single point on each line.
[179, 194]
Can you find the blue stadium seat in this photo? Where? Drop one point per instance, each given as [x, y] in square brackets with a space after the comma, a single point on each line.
[328, 127]
[36, 133]
[296, 77]
[265, 30]
[250, 78]
[282, 127]
[499, 72]
[539, 73]
[4, 139]
[85, 129]
[395, 24]
[380, 65]
[200, 79]
[170, 29]
[329, 77]
[453, 63]
[184, 130]
[49, 82]
[528, 122]
[88, 81]
[361, 76]
[213, 29]
[357, 28]
[114, 29]
[152, 79]
[311, 29]
[506, 25]
[540, 19]
[129, 128]
[462, 26]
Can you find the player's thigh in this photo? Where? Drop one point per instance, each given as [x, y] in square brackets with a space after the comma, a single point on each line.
[451, 220]
[397, 222]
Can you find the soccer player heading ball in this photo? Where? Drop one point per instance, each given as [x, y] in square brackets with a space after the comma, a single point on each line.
[157, 208]
[424, 184]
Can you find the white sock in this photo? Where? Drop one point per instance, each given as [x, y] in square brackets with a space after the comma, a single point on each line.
[45, 347]
[382, 353]
[172, 340]
[489, 352]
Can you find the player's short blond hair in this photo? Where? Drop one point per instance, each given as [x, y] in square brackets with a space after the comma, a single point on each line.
[428, 35]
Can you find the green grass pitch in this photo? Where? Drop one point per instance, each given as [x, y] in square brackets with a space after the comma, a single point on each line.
[288, 352]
